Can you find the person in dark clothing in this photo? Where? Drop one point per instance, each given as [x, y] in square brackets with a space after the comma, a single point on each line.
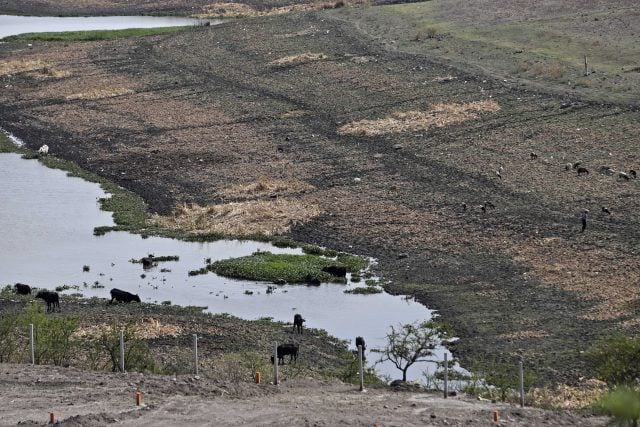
[583, 218]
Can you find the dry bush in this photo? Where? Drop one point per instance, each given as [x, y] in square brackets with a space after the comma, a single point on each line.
[101, 93]
[298, 59]
[265, 186]
[563, 396]
[239, 219]
[553, 70]
[438, 115]
[36, 67]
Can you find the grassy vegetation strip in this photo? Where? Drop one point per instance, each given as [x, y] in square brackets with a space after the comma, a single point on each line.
[70, 36]
[266, 266]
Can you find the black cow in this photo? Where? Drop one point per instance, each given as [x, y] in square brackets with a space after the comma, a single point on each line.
[287, 349]
[297, 323]
[360, 342]
[335, 270]
[52, 299]
[123, 296]
[22, 289]
[147, 262]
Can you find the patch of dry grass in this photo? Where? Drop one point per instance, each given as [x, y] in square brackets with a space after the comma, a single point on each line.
[519, 335]
[264, 187]
[239, 219]
[237, 10]
[36, 67]
[101, 93]
[439, 115]
[298, 59]
[567, 397]
[145, 329]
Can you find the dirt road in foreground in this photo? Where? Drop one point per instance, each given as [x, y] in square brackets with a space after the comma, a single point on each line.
[82, 398]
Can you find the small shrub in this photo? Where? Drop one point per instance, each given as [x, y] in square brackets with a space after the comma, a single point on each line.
[52, 334]
[10, 341]
[85, 268]
[166, 303]
[617, 359]
[623, 404]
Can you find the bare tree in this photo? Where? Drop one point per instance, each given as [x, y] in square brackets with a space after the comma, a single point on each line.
[411, 343]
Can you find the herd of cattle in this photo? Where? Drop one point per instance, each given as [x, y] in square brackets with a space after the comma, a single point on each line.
[289, 349]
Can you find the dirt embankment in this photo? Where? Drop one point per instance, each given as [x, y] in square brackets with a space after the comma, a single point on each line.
[453, 205]
[80, 398]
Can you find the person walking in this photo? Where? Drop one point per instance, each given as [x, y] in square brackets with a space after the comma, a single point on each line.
[583, 218]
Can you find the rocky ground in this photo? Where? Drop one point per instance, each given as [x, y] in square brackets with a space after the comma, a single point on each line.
[394, 147]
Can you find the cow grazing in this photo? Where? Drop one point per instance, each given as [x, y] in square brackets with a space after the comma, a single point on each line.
[335, 270]
[533, 156]
[123, 296]
[297, 323]
[623, 175]
[633, 173]
[582, 170]
[51, 298]
[360, 342]
[44, 150]
[283, 350]
[22, 289]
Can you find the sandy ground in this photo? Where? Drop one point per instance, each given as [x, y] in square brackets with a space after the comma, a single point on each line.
[82, 398]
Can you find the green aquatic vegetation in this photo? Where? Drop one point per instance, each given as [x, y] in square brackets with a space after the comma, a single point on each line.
[364, 291]
[266, 266]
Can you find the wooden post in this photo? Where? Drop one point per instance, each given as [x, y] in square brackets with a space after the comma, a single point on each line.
[360, 367]
[275, 363]
[52, 418]
[32, 345]
[521, 375]
[121, 351]
[195, 354]
[138, 398]
[446, 376]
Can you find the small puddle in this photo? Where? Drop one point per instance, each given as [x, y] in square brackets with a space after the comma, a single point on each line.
[11, 25]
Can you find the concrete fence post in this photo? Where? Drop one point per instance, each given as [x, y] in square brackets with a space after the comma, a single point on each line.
[195, 354]
[32, 345]
[122, 351]
[275, 363]
[360, 367]
[446, 376]
[521, 377]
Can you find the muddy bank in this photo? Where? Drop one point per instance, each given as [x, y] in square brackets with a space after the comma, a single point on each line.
[185, 116]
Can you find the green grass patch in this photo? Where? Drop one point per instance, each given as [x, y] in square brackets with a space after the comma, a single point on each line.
[354, 263]
[73, 36]
[266, 266]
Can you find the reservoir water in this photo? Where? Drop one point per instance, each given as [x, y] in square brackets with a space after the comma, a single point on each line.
[11, 25]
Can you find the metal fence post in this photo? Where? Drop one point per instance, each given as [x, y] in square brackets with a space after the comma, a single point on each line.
[521, 375]
[32, 345]
[122, 351]
[195, 353]
[275, 363]
[446, 376]
[360, 366]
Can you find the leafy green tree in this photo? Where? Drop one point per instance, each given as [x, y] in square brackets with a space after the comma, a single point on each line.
[412, 343]
[617, 359]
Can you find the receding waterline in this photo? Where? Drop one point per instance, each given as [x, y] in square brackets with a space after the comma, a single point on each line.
[11, 25]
